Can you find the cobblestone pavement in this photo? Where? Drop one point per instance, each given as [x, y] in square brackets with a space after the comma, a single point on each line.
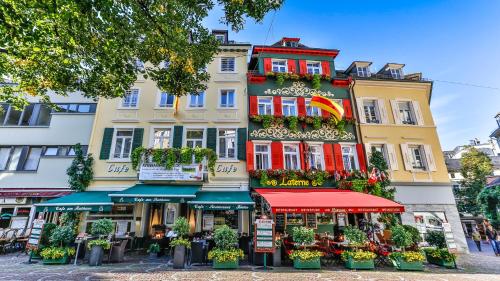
[12, 267]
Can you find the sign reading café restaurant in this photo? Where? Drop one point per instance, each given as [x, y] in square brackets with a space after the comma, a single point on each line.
[221, 207]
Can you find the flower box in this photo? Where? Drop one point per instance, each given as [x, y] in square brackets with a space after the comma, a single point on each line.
[63, 260]
[400, 264]
[226, 265]
[307, 264]
[440, 262]
[359, 264]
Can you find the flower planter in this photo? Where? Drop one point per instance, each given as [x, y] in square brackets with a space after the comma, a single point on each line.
[440, 262]
[226, 265]
[400, 264]
[179, 257]
[277, 257]
[96, 254]
[307, 264]
[63, 260]
[359, 264]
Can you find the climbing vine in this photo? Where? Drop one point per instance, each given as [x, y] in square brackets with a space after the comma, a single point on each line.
[170, 156]
[292, 122]
[80, 172]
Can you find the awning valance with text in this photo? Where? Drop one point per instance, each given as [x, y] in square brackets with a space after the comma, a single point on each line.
[150, 193]
[87, 201]
[222, 200]
[326, 201]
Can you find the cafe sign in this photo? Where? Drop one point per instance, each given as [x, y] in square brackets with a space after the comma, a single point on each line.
[74, 208]
[264, 236]
[199, 206]
[143, 199]
[155, 172]
[337, 210]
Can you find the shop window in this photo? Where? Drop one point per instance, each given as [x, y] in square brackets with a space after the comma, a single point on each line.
[265, 106]
[429, 221]
[123, 143]
[131, 98]
[161, 138]
[227, 143]
[349, 157]
[262, 156]
[291, 156]
[313, 67]
[214, 219]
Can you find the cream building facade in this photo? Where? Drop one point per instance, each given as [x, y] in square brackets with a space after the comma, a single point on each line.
[395, 118]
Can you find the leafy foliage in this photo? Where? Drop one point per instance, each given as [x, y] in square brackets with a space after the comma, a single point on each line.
[62, 236]
[401, 237]
[442, 254]
[181, 242]
[303, 236]
[388, 219]
[305, 255]
[358, 255]
[489, 200]
[105, 244]
[80, 172]
[48, 228]
[409, 256]
[93, 46]
[102, 227]
[355, 236]
[154, 248]
[181, 227]
[415, 234]
[475, 166]
[225, 237]
[225, 255]
[436, 238]
[377, 162]
[54, 253]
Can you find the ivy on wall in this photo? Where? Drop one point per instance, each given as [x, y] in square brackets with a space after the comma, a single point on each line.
[80, 172]
[292, 122]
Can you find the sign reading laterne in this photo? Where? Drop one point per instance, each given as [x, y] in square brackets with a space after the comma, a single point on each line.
[264, 236]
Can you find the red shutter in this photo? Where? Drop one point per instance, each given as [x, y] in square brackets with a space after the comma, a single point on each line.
[325, 114]
[361, 157]
[328, 153]
[301, 106]
[268, 66]
[325, 65]
[254, 110]
[303, 67]
[277, 106]
[337, 155]
[302, 156]
[277, 155]
[347, 108]
[292, 66]
[250, 164]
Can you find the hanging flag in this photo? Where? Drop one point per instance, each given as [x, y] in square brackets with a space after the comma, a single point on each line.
[329, 105]
[176, 104]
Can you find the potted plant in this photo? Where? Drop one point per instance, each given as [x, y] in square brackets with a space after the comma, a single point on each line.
[59, 252]
[180, 244]
[225, 255]
[302, 257]
[44, 242]
[101, 229]
[405, 260]
[356, 258]
[153, 250]
[439, 255]
[277, 251]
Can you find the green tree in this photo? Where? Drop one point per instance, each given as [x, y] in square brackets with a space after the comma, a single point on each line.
[489, 201]
[378, 162]
[80, 172]
[475, 166]
[93, 46]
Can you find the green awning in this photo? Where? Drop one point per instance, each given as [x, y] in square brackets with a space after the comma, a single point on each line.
[150, 193]
[222, 200]
[93, 201]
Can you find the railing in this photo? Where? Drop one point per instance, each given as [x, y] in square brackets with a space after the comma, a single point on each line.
[407, 77]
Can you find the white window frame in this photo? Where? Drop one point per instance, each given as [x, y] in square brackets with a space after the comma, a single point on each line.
[313, 68]
[396, 73]
[227, 71]
[384, 151]
[271, 104]
[296, 153]
[423, 160]
[235, 144]
[354, 154]
[363, 71]
[158, 101]
[412, 112]
[279, 66]
[321, 155]
[220, 106]
[113, 144]
[152, 134]
[376, 111]
[294, 100]
[308, 105]
[122, 100]
[219, 36]
[184, 135]
[197, 98]
[269, 159]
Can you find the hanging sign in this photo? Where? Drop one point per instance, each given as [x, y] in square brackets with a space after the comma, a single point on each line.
[264, 236]
[36, 234]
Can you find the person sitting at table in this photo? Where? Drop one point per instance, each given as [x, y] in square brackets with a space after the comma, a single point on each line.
[170, 233]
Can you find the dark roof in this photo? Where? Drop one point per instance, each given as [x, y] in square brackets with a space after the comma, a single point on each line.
[495, 181]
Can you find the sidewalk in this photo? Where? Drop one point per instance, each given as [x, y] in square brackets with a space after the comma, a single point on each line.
[485, 247]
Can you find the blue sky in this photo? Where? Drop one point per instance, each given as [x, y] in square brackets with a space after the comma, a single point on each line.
[457, 41]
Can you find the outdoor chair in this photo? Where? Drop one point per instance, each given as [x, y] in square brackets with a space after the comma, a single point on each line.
[117, 251]
[8, 241]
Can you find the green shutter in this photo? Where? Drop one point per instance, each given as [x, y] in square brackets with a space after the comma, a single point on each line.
[177, 136]
[242, 143]
[107, 138]
[212, 138]
[137, 140]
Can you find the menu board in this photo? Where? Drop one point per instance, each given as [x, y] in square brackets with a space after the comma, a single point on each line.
[325, 218]
[294, 219]
[36, 233]
[311, 221]
[280, 222]
[448, 235]
[264, 236]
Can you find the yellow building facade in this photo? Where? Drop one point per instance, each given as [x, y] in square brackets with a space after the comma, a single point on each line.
[146, 117]
[394, 116]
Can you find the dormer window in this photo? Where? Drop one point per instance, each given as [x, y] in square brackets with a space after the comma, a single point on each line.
[362, 71]
[396, 73]
[221, 38]
[292, 44]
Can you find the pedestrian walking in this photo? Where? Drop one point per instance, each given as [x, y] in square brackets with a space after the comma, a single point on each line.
[476, 236]
[492, 235]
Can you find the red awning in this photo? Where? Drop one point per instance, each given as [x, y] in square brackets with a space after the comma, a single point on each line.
[33, 192]
[327, 201]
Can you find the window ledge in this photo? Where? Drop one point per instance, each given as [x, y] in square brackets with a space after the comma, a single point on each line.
[227, 72]
[73, 113]
[18, 172]
[164, 108]
[197, 108]
[24, 127]
[227, 160]
[128, 108]
[119, 161]
[227, 108]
